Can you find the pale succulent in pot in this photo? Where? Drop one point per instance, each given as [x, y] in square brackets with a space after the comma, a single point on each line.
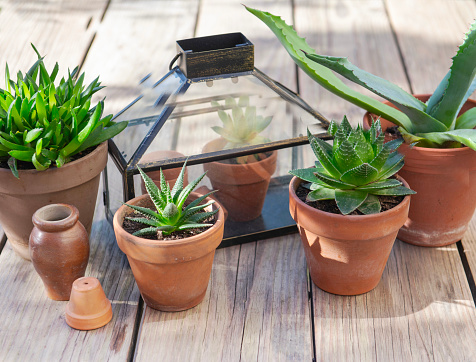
[355, 169]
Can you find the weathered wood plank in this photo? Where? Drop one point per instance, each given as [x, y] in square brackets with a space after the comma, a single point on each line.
[33, 327]
[255, 309]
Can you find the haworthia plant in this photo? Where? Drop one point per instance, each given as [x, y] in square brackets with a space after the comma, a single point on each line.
[355, 169]
[431, 124]
[46, 124]
[171, 212]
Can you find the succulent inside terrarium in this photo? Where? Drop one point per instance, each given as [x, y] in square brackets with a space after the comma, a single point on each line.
[241, 126]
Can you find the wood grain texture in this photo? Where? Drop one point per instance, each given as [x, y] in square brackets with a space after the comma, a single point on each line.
[33, 327]
[255, 309]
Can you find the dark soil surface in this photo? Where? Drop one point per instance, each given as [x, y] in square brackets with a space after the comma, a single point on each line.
[386, 202]
[22, 165]
[132, 226]
[393, 132]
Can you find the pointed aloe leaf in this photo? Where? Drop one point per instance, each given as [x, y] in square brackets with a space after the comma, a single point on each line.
[192, 211]
[332, 182]
[465, 136]
[146, 231]
[192, 226]
[295, 45]
[95, 138]
[307, 174]
[384, 153]
[446, 104]
[22, 155]
[178, 187]
[391, 168]
[33, 135]
[319, 147]
[360, 175]
[385, 184]
[394, 191]
[198, 200]
[412, 107]
[371, 205]
[349, 200]
[346, 157]
[143, 220]
[153, 191]
[467, 120]
[146, 212]
[201, 216]
[321, 193]
[187, 190]
[333, 127]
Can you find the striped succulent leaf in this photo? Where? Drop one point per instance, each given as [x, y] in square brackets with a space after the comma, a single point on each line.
[354, 169]
[171, 213]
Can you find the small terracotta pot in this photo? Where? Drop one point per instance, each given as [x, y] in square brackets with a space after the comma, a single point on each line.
[171, 174]
[346, 255]
[445, 182]
[241, 188]
[59, 248]
[171, 275]
[75, 183]
[88, 307]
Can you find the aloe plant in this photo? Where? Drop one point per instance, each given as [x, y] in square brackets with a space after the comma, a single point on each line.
[431, 124]
[45, 124]
[172, 214]
[243, 126]
[355, 169]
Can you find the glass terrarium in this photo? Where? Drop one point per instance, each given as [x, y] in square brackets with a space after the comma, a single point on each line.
[219, 113]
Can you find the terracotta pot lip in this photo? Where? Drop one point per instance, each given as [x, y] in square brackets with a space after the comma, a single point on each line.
[165, 243]
[295, 181]
[92, 154]
[427, 149]
[40, 220]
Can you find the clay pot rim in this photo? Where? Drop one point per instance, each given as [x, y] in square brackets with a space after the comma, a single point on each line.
[56, 225]
[295, 182]
[367, 115]
[120, 213]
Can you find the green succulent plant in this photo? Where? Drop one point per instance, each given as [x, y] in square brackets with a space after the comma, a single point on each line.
[171, 212]
[431, 124]
[243, 126]
[45, 124]
[355, 169]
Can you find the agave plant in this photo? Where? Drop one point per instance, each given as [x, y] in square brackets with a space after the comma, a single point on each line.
[431, 124]
[355, 169]
[46, 124]
[241, 127]
[171, 212]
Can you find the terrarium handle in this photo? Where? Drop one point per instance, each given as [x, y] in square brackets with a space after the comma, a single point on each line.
[174, 60]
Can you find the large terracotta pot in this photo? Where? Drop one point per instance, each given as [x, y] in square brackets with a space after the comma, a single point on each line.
[59, 248]
[445, 182]
[241, 188]
[76, 183]
[171, 275]
[346, 255]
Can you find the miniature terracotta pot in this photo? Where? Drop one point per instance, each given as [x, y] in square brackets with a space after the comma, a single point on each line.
[445, 182]
[171, 275]
[241, 188]
[171, 174]
[88, 307]
[75, 183]
[346, 255]
[59, 248]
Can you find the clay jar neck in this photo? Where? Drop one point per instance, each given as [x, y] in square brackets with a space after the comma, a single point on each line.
[56, 217]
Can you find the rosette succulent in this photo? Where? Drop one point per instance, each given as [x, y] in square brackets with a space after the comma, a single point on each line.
[46, 124]
[432, 124]
[355, 169]
[172, 213]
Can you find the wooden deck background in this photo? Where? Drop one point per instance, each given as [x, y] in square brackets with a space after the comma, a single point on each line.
[259, 305]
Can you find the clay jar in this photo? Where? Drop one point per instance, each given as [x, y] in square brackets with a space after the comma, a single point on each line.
[171, 174]
[445, 182]
[241, 188]
[346, 254]
[172, 275]
[75, 183]
[59, 248]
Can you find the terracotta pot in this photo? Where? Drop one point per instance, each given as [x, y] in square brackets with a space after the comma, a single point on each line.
[346, 255]
[171, 174]
[59, 248]
[241, 188]
[171, 275]
[88, 307]
[76, 183]
[445, 182]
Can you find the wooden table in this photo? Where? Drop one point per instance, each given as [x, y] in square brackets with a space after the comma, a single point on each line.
[258, 305]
